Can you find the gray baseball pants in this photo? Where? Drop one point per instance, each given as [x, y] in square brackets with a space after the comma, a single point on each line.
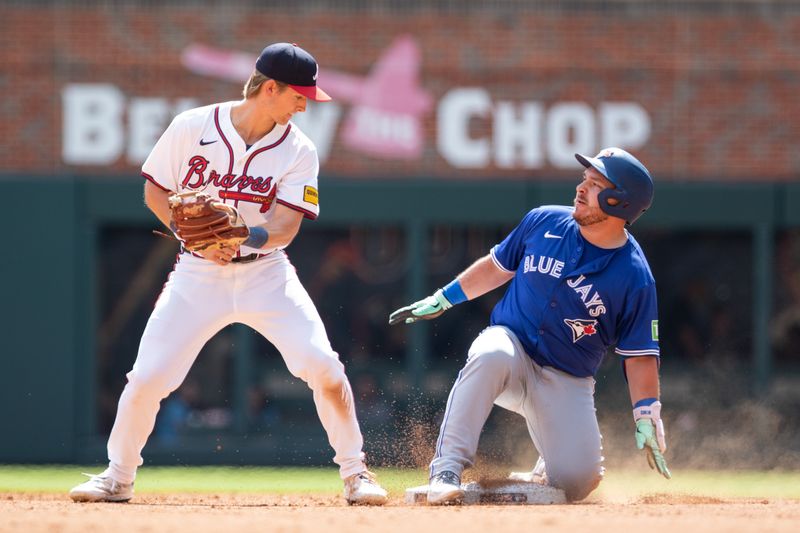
[558, 409]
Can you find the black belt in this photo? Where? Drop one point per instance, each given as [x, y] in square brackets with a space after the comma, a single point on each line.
[248, 258]
[243, 259]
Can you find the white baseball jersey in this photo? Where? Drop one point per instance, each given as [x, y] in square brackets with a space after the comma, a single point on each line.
[201, 151]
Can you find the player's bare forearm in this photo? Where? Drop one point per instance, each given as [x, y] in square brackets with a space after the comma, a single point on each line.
[650, 436]
[482, 276]
[282, 227]
[642, 375]
[157, 200]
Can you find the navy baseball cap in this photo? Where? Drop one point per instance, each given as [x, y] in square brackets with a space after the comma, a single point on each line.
[290, 64]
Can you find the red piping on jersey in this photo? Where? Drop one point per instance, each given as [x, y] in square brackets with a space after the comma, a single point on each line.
[225, 140]
[264, 207]
[308, 214]
[152, 180]
[270, 147]
[230, 154]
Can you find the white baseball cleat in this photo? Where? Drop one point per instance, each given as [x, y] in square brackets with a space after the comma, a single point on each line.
[445, 487]
[363, 489]
[537, 475]
[102, 488]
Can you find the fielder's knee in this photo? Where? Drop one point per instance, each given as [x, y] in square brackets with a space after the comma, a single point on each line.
[143, 388]
[327, 373]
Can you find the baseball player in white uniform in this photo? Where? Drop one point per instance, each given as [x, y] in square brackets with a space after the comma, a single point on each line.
[247, 154]
[580, 284]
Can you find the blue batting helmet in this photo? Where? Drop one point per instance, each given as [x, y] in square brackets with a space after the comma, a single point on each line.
[633, 185]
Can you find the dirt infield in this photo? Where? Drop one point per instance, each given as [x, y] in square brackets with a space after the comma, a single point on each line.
[34, 513]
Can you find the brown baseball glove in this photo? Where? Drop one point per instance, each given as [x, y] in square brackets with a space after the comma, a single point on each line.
[202, 223]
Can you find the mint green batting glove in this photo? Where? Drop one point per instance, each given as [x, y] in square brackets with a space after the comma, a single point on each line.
[426, 309]
[647, 439]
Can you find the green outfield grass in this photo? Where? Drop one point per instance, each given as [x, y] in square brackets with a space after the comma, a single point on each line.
[201, 479]
[277, 480]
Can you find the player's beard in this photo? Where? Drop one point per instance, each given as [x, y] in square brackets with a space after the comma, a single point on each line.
[594, 216]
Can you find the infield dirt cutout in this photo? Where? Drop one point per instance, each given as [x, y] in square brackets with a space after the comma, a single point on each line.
[29, 512]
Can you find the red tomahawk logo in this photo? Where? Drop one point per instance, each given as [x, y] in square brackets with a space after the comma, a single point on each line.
[265, 201]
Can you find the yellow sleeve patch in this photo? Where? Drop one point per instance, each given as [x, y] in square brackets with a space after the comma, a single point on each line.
[311, 195]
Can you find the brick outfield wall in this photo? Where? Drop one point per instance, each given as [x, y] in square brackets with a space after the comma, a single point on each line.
[721, 89]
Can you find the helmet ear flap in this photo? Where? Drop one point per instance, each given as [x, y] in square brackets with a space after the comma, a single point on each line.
[619, 195]
[618, 208]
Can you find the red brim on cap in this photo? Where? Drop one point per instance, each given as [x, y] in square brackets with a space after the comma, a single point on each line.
[312, 92]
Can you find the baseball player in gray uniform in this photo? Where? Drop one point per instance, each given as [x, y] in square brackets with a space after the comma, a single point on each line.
[248, 155]
[580, 283]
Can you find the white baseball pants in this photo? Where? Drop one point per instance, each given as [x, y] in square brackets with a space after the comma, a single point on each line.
[558, 409]
[199, 299]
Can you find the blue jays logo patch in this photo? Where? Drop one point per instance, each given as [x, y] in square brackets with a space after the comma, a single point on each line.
[580, 328]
